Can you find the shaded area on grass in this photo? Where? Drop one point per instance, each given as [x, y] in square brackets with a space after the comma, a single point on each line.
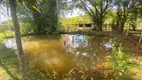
[9, 72]
[9, 67]
[9, 61]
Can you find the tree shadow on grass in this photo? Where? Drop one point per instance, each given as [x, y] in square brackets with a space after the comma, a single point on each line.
[9, 61]
[8, 71]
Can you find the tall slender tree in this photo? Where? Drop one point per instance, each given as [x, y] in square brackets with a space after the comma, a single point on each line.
[18, 39]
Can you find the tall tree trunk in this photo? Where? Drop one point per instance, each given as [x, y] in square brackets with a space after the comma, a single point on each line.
[101, 23]
[121, 27]
[18, 39]
[101, 17]
[133, 16]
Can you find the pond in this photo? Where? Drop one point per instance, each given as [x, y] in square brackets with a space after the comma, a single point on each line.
[65, 53]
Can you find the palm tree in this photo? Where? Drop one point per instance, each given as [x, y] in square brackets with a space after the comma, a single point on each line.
[18, 39]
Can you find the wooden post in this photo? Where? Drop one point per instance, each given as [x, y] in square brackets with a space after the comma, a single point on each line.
[140, 41]
[92, 26]
[127, 33]
[83, 28]
[68, 28]
[76, 27]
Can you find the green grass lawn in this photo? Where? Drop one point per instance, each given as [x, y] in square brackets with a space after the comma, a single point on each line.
[6, 34]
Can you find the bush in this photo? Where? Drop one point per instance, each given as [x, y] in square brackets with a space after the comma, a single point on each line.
[118, 61]
[28, 27]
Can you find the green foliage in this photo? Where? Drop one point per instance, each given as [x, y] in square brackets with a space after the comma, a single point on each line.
[47, 19]
[28, 26]
[110, 17]
[70, 24]
[6, 34]
[119, 62]
[6, 25]
[75, 20]
[42, 16]
[98, 10]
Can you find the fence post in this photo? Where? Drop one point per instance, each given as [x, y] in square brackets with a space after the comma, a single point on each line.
[140, 41]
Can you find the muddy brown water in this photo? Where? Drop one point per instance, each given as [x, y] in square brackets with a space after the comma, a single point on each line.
[63, 53]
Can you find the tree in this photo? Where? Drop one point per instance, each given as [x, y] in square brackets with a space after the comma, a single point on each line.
[122, 12]
[125, 10]
[47, 18]
[18, 39]
[98, 10]
[44, 13]
[135, 12]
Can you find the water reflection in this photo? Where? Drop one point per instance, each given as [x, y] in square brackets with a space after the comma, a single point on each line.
[75, 40]
[10, 43]
[62, 53]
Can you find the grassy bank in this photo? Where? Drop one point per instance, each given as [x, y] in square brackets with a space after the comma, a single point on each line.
[6, 34]
[9, 67]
